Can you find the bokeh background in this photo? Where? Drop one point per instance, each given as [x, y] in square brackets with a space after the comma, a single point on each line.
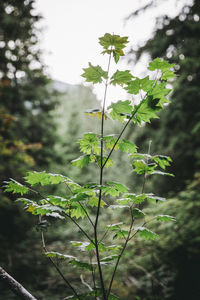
[42, 104]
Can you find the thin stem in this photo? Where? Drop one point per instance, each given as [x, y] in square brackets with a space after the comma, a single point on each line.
[55, 266]
[121, 253]
[101, 181]
[145, 175]
[81, 229]
[103, 236]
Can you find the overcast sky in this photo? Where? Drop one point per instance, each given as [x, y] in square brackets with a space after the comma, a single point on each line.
[72, 28]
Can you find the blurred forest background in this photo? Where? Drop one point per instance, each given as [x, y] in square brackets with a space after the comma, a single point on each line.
[39, 128]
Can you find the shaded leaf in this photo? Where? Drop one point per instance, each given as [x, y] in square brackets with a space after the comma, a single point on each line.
[121, 77]
[165, 218]
[94, 74]
[137, 213]
[120, 109]
[59, 255]
[81, 161]
[134, 86]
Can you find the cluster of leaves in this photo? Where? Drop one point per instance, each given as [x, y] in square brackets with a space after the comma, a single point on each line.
[81, 200]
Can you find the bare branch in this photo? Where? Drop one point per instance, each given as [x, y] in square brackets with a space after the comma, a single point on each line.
[15, 286]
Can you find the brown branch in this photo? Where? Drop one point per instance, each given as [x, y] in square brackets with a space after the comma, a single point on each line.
[15, 286]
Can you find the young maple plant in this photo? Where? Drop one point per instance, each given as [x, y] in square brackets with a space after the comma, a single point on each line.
[90, 201]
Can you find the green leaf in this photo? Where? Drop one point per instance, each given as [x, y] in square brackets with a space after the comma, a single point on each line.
[157, 172]
[120, 233]
[152, 197]
[146, 233]
[118, 206]
[94, 74]
[134, 86]
[112, 40]
[159, 91]
[93, 201]
[168, 75]
[109, 258]
[82, 265]
[121, 77]
[159, 64]
[141, 167]
[127, 146]
[84, 246]
[138, 199]
[165, 218]
[46, 209]
[97, 158]
[137, 213]
[43, 178]
[57, 200]
[120, 109]
[110, 141]
[162, 161]
[77, 211]
[113, 44]
[114, 189]
[147, 110]
[142, 156]
[81, 161]
[114, 227]
[90, 144]
[59, 255]
[15, 187]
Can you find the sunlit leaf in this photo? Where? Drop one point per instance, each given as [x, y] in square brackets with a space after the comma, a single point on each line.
[141, 167]
[90, 143]
[162, 161]
[15, 187]
[159, 64]
[165, 218]
[127, 146]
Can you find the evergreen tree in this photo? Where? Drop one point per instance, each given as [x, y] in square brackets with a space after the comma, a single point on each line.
[27, 128]
[172, 269]
[178, 134]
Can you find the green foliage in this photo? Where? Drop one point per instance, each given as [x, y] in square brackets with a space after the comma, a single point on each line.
[121, 77]
[84, 203]
[16, 187]
[113, 44]
[120, 110]
[146, 233]
[94, 74]
[138, 84]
